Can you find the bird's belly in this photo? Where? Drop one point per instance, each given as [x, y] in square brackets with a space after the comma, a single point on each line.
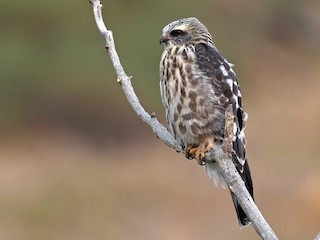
[193, 117]
[183, 122]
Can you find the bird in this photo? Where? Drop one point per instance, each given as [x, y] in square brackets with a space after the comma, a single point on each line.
[197, 84]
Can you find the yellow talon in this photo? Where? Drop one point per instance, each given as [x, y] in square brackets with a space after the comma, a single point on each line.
[200, 155]
[197, 152]
[191, 150]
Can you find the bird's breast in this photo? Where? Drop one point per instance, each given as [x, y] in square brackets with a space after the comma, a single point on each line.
[185, 94]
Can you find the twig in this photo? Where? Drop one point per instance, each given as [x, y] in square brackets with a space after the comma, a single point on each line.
[223, 157]
[317, 237]
[125, 81]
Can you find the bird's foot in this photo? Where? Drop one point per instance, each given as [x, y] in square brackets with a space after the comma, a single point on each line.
[196, 152]
[199, 152]
[187, 152]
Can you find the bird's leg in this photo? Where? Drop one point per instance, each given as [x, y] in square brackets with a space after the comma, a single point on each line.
[199, 152]
[190, 151]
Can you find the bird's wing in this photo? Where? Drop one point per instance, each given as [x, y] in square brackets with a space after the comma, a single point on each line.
[226, 87]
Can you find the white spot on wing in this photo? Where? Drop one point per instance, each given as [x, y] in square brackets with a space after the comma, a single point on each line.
[223, 70]
[230, 83]
[235, 128]
[241, 135]
[241, 161]
[236, 101]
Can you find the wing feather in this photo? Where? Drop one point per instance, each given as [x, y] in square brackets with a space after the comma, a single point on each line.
[226, 87]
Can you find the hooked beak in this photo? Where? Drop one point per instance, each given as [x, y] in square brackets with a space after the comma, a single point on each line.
[163, 39]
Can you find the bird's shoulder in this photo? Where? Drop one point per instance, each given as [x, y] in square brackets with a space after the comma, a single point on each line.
[208, 58]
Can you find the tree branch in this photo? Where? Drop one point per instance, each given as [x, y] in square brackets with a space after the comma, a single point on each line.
[125, 81]
[222, 156]
[236, 185]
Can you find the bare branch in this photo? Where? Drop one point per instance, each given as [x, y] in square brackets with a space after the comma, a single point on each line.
[317, 237]
[236, 185]
[125, 81]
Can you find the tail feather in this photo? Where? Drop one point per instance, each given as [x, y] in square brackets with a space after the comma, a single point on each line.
[242, 217]
[214, 172]
[246, 176]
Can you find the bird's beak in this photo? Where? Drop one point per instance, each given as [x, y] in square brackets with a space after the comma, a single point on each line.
[163, 39]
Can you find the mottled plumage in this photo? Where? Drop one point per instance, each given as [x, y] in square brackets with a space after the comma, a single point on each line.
[197, 84]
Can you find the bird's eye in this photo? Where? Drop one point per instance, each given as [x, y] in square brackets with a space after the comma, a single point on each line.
[176, 32]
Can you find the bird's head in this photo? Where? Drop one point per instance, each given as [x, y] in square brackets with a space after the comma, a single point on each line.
[185, 31]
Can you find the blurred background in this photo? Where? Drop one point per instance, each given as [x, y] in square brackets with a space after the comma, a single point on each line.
[77, 163]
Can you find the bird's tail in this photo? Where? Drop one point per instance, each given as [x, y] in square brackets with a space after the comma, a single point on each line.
[213, 170]
[246, 177]
[242, 217]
